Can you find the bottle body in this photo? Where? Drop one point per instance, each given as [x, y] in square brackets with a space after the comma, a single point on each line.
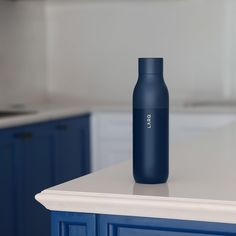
[151, 127]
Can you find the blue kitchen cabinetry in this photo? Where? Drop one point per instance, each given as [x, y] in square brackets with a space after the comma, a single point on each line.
[80, 224]
[8, 149]
[35, 157]
[34, 172]
[73, 224]
[71, 139]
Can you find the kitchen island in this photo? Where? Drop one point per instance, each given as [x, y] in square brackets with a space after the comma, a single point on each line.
[199, 198]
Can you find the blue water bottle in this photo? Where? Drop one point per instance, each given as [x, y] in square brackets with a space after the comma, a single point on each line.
[150, 124]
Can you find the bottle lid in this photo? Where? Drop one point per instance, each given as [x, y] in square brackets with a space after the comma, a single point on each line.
[150, 65]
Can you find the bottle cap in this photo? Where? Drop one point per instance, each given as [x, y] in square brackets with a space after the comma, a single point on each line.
[150, 65]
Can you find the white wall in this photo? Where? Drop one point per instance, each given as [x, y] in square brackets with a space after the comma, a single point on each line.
[87, 50]
[232, 49]
[93, 47]
[22, 52]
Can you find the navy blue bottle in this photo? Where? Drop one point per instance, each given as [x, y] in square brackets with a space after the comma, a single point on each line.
[150, 124]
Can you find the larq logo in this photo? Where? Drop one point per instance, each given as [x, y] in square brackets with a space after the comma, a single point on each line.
[149, 121]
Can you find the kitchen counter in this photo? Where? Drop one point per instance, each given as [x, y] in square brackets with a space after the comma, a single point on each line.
[51, 111]
[201, 185]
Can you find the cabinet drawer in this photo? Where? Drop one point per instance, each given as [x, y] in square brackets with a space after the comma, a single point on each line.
[110, 225]
[123, 231]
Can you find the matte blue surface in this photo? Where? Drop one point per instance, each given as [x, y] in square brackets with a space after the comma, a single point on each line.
[73, 224]
[80, 224]
[34, 174]
[71, 139]
[8, 148]
[137, 226]
[150, 124]
[35, 157]
[151, 146]
[150, 66]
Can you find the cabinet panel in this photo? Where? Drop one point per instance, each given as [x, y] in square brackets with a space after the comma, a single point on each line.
[71, 149]
[34, 168]
[122, 231]
[109, 225]
[73, 229]
[8, 206]
[73, 224]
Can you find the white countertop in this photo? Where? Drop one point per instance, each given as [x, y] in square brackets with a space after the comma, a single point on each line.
[202, 185]
[52, 111]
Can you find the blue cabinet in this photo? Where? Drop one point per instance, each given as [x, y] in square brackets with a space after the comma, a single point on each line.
[34, 173]
[79, 224]
[8, 149]
[35, 157]
[72, 224]
[70, 140]
[139, 226]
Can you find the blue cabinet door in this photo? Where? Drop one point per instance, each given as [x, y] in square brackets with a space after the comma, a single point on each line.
[139, 226]
[35, 157]
[34, 171]
[71, 149]
[73, 224]
[8, 207]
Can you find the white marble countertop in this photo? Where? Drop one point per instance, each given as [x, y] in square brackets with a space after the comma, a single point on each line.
[202, 185]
